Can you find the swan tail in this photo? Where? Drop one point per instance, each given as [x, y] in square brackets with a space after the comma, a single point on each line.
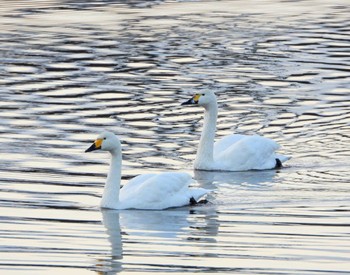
[198, 193]
[282, 158]
[194, 202]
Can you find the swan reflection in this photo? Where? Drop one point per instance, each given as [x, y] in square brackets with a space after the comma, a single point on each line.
[194, 224]
[110, 220]
[207, 179]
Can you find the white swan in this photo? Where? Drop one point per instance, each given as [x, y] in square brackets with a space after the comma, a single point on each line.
[233, 152]
[147, 191]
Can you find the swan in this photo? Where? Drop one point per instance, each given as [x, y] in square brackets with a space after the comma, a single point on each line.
[147, 191]
[233, 152]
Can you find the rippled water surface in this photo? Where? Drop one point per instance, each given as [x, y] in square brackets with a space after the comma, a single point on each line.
[70, 69]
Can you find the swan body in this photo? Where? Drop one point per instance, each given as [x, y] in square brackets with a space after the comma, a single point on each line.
[233, 152]
[147, 191]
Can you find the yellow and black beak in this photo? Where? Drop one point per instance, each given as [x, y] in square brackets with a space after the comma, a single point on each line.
[192, 100]
[95, 146]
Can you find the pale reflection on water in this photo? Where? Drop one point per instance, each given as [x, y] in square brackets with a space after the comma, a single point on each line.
[70, 69]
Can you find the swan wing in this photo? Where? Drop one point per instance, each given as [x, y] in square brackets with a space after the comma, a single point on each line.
[248, 153]
[135, 182]
[222, 144]
[159, 191]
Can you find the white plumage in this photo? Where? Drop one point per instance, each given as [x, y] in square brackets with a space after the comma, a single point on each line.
[233, 152]
[246, 153]
[147, 191]
[159, 191]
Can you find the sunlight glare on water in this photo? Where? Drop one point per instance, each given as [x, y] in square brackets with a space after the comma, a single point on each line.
[70, 69]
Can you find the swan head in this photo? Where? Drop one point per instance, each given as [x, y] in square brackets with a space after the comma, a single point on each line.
[204, 99]
[106, 141]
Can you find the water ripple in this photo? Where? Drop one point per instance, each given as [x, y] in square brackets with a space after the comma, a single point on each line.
[69, 70]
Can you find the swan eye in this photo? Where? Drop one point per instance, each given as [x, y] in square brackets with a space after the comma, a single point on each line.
[104, 138]
[203, 94]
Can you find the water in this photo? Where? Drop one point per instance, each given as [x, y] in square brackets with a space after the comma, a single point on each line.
[70, 69]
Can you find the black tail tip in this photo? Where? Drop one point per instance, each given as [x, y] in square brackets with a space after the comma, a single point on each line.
[278, 164]
[194, 202]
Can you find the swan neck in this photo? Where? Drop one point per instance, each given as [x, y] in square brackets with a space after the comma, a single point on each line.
[205, 151]
[110, 197]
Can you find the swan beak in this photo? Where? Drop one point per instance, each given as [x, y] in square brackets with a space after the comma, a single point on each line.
[192, 100]
[95, 146]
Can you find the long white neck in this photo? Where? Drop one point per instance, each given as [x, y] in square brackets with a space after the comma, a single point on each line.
[204, 158]
[110, 197]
